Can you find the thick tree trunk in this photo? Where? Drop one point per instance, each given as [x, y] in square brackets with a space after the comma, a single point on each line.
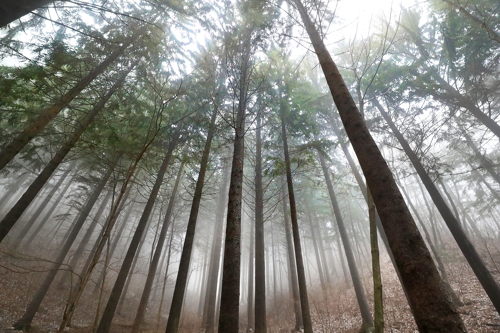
[19, 142]
[437, 257]
[304, 301]
[432, 308]
[230, 288]
[187, 249]
[114, 297]
[12, 189]
[292, 268]
[141, 310]
[260, 265]
[11, 218]
[478, 266]
[25, 322]
[13, 10]
[356, 279]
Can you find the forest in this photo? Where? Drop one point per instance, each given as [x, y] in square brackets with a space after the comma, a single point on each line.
[249, 166]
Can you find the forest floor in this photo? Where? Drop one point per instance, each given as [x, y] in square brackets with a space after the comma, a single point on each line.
[332, 311]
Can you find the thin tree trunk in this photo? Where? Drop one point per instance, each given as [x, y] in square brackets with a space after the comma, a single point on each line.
[141, 310]
[13, 189]
[187, 249]
[356, 279]
[431, 307]
[478, 266]
[304, 301]
[292, 268]
[251, 281]
[315, 240]
[210, 308]
[378, 304]
[109, 311]
[260, 265]
[11, 218]
[25, 322]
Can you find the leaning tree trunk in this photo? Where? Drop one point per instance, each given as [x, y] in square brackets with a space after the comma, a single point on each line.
[114, 297]
[260, 265]
[432, 308]
[356, 279]
[19, 142]
[187, 249]
[141, 310]
[478, 266]
[304, 301]
[11, 218]
[25, 322]
[378, 303]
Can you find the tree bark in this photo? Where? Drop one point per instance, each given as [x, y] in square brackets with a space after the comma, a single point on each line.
[260, 265]
[432, 308]
[477, 264]
[378, 303]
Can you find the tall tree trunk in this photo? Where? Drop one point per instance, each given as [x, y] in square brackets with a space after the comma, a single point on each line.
[292, 268]
[114, 297]
[230, 288]
[251, 280]
[13, 148]
[260, 264]
[141, 310]
[378, 303]
[366, 316]
[209, 315]
[24, 232]
[25, 322]
[432, 309]
[437, 257]
[187, 249]
[478, 266]
[11, 218]
[362, 187]
[304, 301]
